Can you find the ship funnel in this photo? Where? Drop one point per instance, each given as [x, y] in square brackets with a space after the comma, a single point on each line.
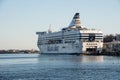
[75, 21]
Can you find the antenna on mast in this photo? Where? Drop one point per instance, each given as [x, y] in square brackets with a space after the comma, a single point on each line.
[49, 30]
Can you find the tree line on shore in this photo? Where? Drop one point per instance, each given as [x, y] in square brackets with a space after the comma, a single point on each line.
[18, 51]
[111, 37]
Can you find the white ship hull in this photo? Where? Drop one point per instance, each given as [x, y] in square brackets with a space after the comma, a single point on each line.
[70, 48]
[60, 48]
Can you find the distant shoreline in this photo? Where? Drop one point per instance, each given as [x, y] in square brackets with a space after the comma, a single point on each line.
[19, 53]
[91, 54]
[12, 51]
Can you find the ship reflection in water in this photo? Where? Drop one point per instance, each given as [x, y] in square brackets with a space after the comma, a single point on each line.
[74, 58]
[92, 59]
[58, 67]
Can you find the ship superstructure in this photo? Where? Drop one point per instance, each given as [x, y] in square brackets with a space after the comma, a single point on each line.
[73, 39]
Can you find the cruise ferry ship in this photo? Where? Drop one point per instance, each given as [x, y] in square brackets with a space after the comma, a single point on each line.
[74, 39]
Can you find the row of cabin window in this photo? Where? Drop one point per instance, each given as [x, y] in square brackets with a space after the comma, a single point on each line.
[70, 37]
[79, 34]
[66, 41]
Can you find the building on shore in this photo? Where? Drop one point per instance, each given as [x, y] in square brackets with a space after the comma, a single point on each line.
[112, 47]
[117, 37]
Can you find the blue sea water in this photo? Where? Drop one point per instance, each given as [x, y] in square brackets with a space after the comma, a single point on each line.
[58, 67]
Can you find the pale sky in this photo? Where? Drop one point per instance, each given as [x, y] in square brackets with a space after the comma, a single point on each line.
[21, 19]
